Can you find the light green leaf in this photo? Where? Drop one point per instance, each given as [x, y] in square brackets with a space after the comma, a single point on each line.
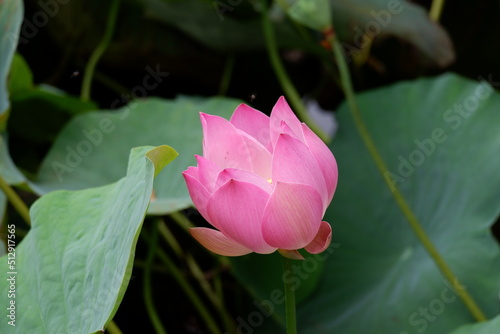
[81, 155]
[11, 17]
[73, 267]
[7, 168]
[315, 14]
[488, 327]
[20, 76]
[437, 137]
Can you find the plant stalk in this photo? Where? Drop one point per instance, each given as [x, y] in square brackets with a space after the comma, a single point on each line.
[291, 319]
[285, 82]
[99, 51]
[15, 200]
[415, 225]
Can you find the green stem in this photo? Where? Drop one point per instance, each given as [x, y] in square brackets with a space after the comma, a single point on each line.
[99, 51]
[15, 200]
[181, 220]
[436, 10]
[148, 294]
[226, 75]
[188, 289]
[398, 196]
[194, 268]
[285, 82]
[113, 328]
[291, 320]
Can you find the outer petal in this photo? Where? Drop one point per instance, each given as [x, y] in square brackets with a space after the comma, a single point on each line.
[325, 159]
[322, 239]
[243, 175]
[237, 208]
[292, 216]
[229, 147]
[217, 242]
[199, 194]
[294, 163]
[222, 143]
[254, 123]
[207, 173]
[282, 112]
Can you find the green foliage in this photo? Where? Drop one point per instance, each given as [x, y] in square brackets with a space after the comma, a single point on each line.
[487, 327]
[73, 267]
[11, 15]
[92, 149]
[380, 277]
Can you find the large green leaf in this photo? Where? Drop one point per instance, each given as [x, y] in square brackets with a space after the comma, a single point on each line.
[11, 17]
[488, 327]
[357, 19]
[72, 269]
[80, 156]
[438, 137]
[379, 279]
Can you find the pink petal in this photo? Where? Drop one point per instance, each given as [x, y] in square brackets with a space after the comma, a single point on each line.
[243, 175]
[192, 171]
[237, 208]
[229, 147]
[322, 239]
[294, 163]
[217, 242]
[292, 216]
[207, 173]
[282, 112]
[223, 144]
[259, 156]
[254, 123]
[199, 194]
[325, 159]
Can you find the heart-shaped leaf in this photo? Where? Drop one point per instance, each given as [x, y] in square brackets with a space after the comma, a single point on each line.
[70, 272]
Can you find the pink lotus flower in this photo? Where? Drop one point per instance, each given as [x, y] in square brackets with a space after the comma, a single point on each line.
[263, 182]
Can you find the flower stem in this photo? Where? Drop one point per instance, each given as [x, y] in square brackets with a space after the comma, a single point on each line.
[148, 294]
[382, 168]
[99, 51]
[226, 75]
[196, 271]
[188, 289]
[15, 200]
[291, 319]
[436, 10]
[285, 82]
[113, 328]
